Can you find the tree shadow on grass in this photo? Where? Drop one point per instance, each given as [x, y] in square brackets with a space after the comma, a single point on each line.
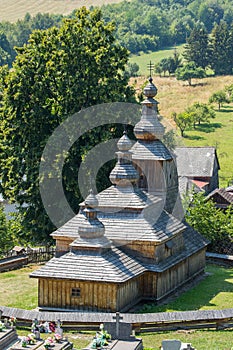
[226, 109]
[208, 127]
[193, 137]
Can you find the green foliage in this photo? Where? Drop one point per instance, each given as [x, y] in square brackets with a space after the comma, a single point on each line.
[168, 64]
[190, 71]
[211, 222]
[197, 48]
[5, 234]
[219, 97]
[183, 121]
[229, 92]
[59, 72]
[200, 112]
[222, 48]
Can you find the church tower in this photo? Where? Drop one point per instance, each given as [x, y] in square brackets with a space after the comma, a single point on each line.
[152, 159]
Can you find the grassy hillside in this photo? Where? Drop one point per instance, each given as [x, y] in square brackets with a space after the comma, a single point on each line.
[11, 10]
[176, 96]
[143, 59]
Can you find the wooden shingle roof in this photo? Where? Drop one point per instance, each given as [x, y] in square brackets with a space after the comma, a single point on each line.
[111, 266]
[128, 226]
[153, 150]
[222, 192]
[138, 228]
[124, 197]
[195, 161]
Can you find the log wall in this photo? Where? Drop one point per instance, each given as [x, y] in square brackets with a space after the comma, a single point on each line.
[93, 296]
[174, 277]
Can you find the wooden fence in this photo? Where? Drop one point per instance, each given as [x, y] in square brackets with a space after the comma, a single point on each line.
[153, 322]
[38, 255]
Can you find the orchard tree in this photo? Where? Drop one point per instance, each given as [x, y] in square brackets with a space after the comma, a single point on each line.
[190, 71]
[59, 72]
[229, 92]
[183, 121]
[200, 112]
[219, 97]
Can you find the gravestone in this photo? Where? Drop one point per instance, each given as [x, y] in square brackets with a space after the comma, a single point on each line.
[119, 330]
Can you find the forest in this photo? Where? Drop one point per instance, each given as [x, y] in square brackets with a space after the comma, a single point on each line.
[140, 25]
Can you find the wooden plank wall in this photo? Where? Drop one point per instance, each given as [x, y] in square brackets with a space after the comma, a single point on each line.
[93, 296]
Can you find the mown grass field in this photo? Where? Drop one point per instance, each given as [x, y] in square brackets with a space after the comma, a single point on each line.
[144, 58]
[213, 292]
[11, 10]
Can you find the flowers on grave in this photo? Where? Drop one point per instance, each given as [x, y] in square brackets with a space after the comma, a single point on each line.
[105, 335]
[12, 321]
[57, 337]
[48, 343]
[24, 342]
[101, 338]
[2, 326]
[31, 338]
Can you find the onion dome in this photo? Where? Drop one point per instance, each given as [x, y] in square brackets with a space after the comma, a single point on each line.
[124, 144]
[124, 174]
[91, 227]
[149, 127]
[91, 200]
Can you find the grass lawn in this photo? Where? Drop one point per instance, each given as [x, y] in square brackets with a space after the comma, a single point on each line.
[144, 58]
[214, 292]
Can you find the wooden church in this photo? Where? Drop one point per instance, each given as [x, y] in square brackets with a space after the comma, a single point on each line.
[127, 243]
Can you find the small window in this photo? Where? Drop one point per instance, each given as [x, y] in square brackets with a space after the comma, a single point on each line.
[76, 292]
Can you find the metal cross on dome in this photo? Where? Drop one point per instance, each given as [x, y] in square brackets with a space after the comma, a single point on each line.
[150, 67]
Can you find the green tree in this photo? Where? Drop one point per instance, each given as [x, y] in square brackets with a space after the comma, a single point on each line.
[5, 236]
[229, 92]
[222, 42]
[190, 71]
[183, 121]
[59, 72]
[211, 222]
[200, 112]
[197, 49]
[210, 13]
[219, 97]
[5, 50]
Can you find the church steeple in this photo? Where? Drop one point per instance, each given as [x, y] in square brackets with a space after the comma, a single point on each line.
[124, 174]
[149, 127]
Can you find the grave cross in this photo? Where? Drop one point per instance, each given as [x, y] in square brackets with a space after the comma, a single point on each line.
[117, 318]
[150, 67]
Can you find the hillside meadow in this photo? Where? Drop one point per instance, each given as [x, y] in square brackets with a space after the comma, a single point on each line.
[176, 96]
[11, 10]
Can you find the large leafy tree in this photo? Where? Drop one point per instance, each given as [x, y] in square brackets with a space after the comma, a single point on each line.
[59, 72]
